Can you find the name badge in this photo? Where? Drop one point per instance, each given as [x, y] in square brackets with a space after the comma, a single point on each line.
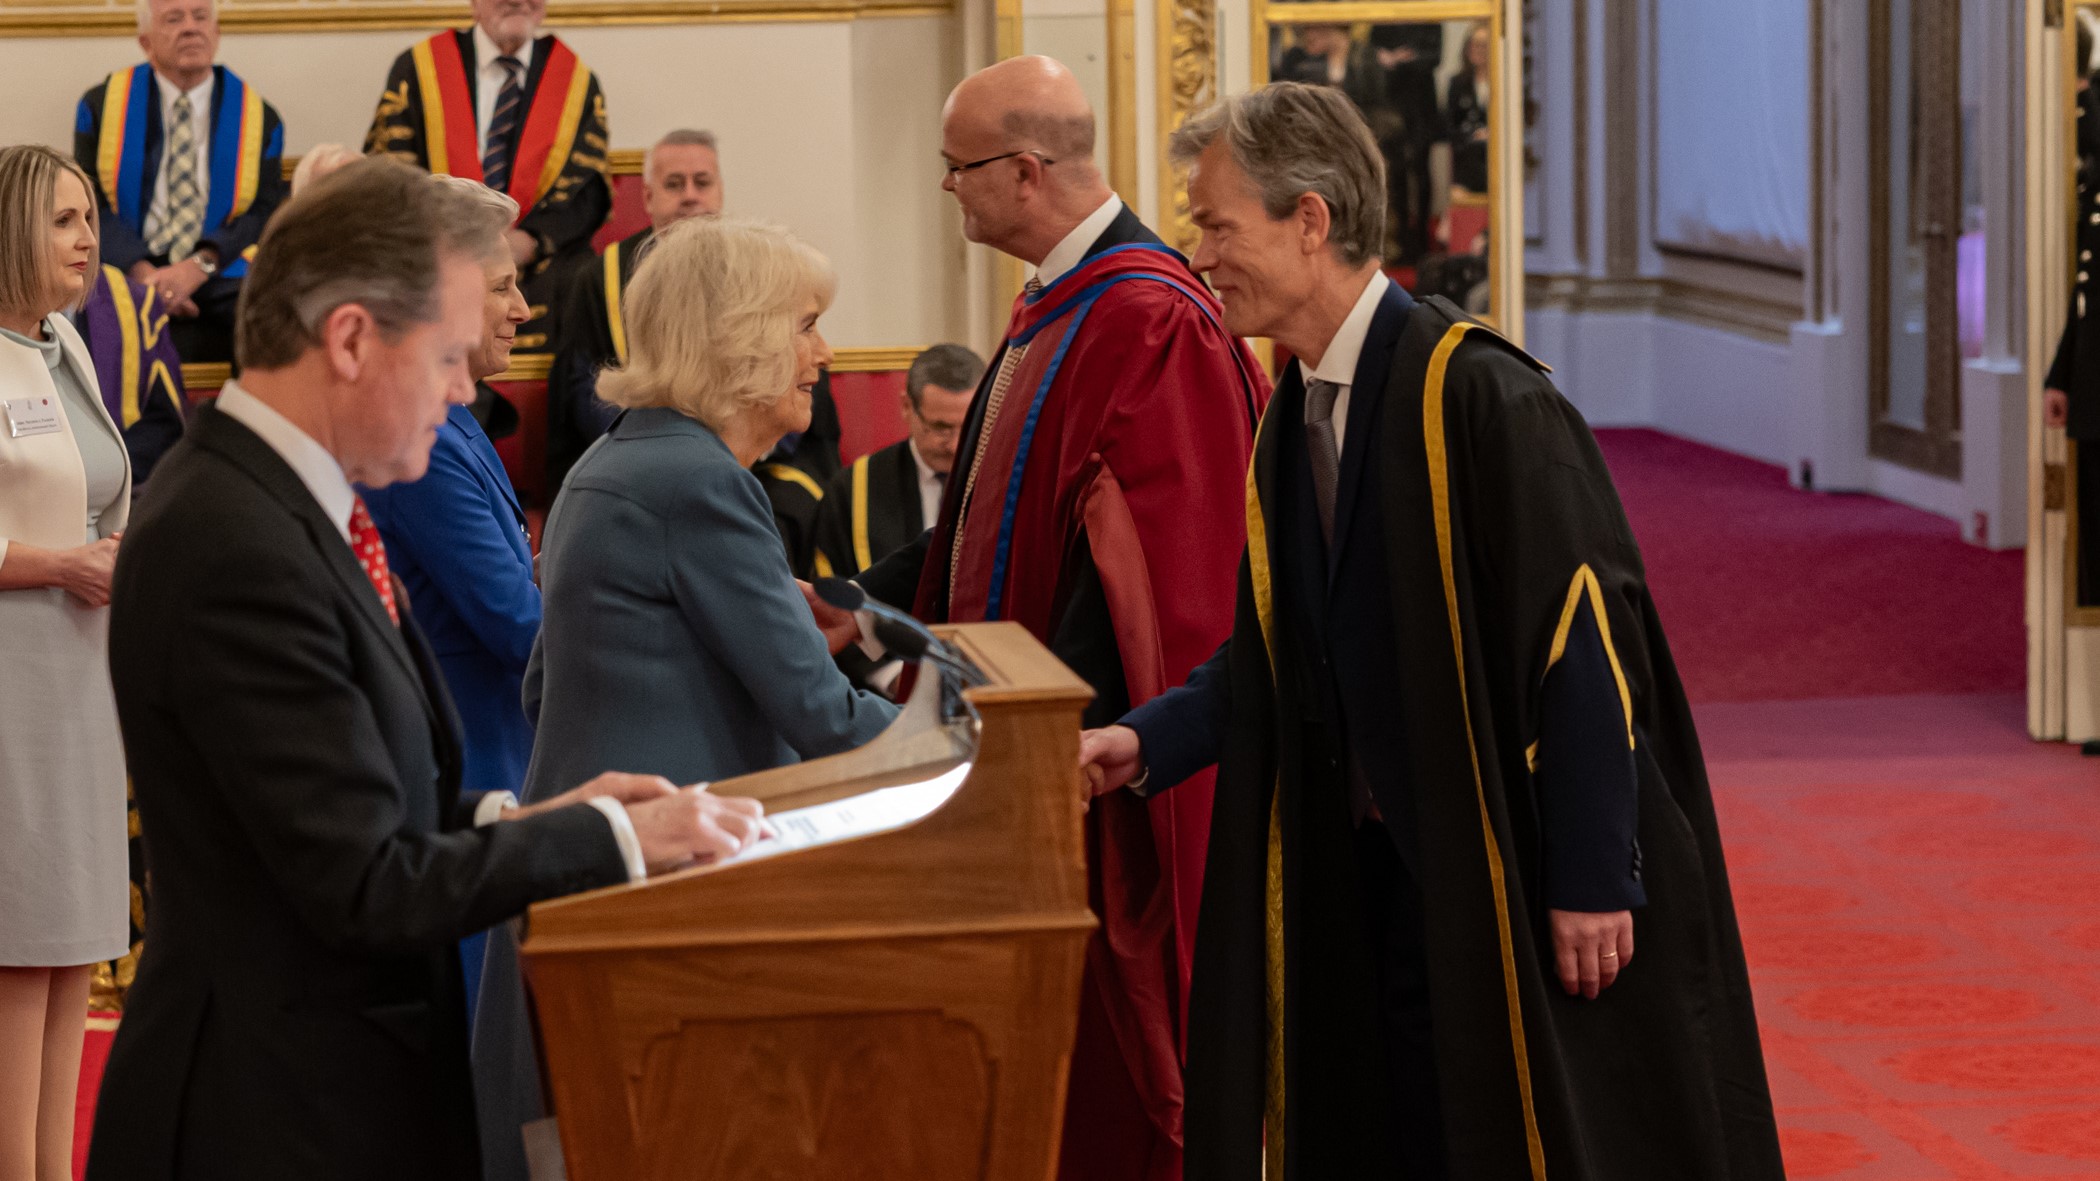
[27, 417]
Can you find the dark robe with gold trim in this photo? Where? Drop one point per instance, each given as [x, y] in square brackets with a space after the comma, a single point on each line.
[870, 509]
[1106, 520]
[1504, 549]
[426, 116]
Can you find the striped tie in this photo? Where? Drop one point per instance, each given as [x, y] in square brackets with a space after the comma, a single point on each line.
[503, 125]
[178, 231]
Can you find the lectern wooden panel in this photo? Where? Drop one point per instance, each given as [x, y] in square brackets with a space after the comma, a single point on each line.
[898, 1004]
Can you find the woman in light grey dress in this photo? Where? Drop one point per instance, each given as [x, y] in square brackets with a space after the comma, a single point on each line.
[674, 637]
[65, 492]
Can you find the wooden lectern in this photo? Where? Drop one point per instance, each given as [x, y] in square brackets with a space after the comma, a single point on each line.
[889, 1004]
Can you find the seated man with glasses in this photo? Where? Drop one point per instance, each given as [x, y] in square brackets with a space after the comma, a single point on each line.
[884, 501]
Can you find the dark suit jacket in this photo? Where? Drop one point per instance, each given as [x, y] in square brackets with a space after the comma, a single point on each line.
[124, 244]
[299, 1012]
[1085, 638]
[1341, 596]
[456, 539]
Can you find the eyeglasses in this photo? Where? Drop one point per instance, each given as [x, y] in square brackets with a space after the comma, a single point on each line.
[939, 430]
[956, 170]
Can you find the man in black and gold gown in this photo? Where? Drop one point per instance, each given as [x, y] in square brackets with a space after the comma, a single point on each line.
[514, 108]
[1457, 774]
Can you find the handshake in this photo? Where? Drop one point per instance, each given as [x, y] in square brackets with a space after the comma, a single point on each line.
[677, 826]
[1109, 758]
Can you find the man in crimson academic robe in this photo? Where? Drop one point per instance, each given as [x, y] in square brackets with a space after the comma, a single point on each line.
[1095, 500]
[1457, 773]
[515, 109]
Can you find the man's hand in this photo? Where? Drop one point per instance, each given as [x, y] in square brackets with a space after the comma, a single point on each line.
[1591, 949]
[176, 283]
[841, 630]
[692, 826]
[523, 247]
[2056, 408]
[88, 569]
[1109, 758]
[629, 790]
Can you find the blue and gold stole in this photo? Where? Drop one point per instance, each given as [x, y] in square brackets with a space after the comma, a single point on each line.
[237, 148]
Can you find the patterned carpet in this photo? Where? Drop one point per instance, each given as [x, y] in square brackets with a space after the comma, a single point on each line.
[1919, 884]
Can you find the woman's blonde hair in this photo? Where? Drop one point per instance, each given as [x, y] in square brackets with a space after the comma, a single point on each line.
[711, 317]
[28, 201]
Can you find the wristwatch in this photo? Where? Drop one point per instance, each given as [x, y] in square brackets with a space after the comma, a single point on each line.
[208, 263]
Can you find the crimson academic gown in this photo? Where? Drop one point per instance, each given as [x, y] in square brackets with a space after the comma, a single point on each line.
[1105, 515]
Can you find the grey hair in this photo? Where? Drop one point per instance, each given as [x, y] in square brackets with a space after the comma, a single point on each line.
[949, 366]
[1292, 139]
[501, 213]
[376, 233]
[1060, 137]
[684, 137]
[146, 12]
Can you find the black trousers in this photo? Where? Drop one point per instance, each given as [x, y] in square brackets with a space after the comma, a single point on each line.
[1391, 914]
[2088, 494]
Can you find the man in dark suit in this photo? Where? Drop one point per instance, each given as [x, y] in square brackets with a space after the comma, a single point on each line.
[299, 1010]
[1447, 731]
[2071, 393]
[187, 162]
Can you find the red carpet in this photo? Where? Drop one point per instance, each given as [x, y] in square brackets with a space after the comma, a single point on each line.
[1916, 882]
[1769, 593]
[1919, 885]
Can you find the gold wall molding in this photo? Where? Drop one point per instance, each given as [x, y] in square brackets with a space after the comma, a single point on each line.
[50, 19]
[197, 378]
[1188, 82]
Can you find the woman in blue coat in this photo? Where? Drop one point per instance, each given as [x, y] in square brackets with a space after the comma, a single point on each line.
[456, 539]
[675, 633]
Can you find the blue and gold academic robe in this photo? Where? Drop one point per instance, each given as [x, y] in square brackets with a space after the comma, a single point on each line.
[118, 140]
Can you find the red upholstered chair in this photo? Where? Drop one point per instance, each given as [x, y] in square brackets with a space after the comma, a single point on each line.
[524, 452]
[868, 417]
[627, 213]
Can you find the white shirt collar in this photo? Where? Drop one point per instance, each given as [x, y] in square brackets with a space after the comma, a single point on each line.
[1072, 251]
[200, 94]
[1338, 364]
[486, 53]
[311, 462]
[926, 472]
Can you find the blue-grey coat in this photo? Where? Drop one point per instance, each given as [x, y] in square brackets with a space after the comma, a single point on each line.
[675, 643]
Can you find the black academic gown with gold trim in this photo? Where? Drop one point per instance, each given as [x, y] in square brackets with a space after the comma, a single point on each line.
[870, 509]
[1508, 566]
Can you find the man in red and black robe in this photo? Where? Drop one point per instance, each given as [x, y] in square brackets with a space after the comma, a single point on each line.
[1095, 500]
[517, 110]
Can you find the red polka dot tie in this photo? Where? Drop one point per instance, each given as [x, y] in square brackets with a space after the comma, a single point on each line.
[371, 554]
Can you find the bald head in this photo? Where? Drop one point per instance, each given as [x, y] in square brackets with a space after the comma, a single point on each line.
[1030, 102]
[1019, 141]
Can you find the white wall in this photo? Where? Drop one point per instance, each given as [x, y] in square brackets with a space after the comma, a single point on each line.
[829, 128]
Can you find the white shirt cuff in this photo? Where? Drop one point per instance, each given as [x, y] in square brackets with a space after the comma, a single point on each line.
[874, 648]
[491, 807]
[885, 677]
[623, 834]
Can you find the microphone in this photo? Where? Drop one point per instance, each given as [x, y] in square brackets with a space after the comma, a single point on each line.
[903, 635]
